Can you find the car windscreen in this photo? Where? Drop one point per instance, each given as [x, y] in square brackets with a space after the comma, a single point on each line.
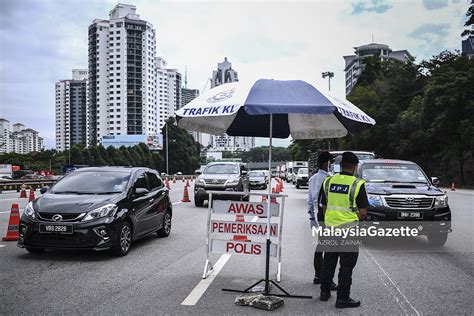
[256, 174]
[221, 169]
[405, 173]
[92, 182]
[303, 171]
[296, 169]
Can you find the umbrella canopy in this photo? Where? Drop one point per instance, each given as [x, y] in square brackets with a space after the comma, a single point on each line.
[297, 108]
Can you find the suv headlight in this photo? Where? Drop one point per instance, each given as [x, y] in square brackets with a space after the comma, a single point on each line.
[441, 201]
[103, 211]
[29, 211]
[232, 181]
[375, 200]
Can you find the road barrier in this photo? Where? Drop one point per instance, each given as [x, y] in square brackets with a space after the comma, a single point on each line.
[16, 185]
[243, 236]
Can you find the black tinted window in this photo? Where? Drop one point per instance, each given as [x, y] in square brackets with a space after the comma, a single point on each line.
[141, 182]
[94, 182]
[154, 181]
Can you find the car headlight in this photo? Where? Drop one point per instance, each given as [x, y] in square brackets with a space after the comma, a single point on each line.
[29, 211]
[106, 210]
[201, 181]
[232, 181]
[375, 200]
[441, 201]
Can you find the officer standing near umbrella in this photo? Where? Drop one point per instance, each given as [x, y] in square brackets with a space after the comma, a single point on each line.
[315, 210]
[344, 203]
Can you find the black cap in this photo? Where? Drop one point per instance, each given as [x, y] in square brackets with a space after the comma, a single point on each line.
[324, 157]
[349, 157]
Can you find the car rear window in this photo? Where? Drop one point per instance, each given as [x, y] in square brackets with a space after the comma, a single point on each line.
[222, 169]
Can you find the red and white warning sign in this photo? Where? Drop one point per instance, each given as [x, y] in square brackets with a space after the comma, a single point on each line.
[243, 228]
[245, 208]
[242, 248]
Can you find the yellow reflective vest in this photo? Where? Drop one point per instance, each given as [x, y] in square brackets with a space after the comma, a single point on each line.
[341, 192]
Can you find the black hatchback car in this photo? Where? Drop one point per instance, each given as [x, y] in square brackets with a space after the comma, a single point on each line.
[400, 193]
[97, 208]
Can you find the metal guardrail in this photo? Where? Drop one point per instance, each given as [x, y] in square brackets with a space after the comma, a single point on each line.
[15, 185]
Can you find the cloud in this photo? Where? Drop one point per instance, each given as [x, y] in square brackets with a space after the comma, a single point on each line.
[377, 6]
[435, 4]
[41, 41]
[431, 33]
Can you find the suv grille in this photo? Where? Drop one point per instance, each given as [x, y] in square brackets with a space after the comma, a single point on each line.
[67, 217]
[409, 202]
[211, 181]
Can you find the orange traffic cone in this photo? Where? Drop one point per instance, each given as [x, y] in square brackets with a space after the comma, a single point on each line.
[167, 183]
[174, 179]
[23, 191]
[13, 224]
[185, 195]
[453, 187]
[183, 179]
[264, 198]
[187, 182]
[32, 195]
[240, 218]
[192, 178]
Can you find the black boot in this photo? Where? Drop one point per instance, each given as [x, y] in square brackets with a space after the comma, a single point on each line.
[347, 303]
[325, 295]
[317, 280]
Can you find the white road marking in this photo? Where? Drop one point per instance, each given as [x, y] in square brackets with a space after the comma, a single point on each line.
[1, 246]
[399, 297]
[175, 203]
[204, 284]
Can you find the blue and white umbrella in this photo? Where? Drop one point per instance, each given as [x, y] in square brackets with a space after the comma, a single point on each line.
[295, 107]
[272, 108]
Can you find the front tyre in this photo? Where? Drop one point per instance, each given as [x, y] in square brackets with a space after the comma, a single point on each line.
[198, 202]
[125, 240]
[437, 239]
[165, 230]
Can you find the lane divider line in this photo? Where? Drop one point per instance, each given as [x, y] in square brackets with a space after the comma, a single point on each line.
[1, 246]
[397, 294]
[204, 284]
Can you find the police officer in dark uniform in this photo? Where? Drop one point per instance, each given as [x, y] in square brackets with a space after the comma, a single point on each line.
[344, 203]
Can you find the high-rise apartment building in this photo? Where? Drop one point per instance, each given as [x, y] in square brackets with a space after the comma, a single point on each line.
[122, 75]
[225, 74]
[187, 95]
[18, 139]
[355, 63]
[71, 110]
[168, 96]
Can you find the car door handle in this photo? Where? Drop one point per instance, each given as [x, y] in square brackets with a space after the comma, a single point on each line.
[151, 200]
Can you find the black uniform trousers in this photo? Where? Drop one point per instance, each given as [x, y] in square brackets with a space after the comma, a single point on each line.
[347, 256]
[318, 253]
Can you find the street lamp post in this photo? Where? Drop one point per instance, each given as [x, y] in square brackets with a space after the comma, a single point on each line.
[167, 145]
[330, 75]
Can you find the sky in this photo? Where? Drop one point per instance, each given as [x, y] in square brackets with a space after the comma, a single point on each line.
[41, 41]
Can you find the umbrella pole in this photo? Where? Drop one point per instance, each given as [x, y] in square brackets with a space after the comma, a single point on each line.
[267, 259]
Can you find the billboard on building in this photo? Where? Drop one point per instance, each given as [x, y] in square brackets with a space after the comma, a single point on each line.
[154, 142]
[118, 141]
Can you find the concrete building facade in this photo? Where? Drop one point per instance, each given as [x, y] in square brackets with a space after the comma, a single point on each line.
[122, 75]
[355, 63]
[17, 138]
[72, 110]
[168, 97]
[225, 74]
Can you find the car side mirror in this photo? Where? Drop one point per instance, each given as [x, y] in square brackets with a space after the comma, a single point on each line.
[198, 172]
[435, 180]
[244, 172]
[43, 190]
[140, 192]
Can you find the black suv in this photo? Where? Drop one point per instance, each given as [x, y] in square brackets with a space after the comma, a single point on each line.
[97, 208]
[221, 176]
[399, 191]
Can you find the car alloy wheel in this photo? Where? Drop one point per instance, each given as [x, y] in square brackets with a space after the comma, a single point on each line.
[125, 238]
[167, 223]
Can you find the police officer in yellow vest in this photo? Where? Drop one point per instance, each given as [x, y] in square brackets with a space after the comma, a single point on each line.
[344, 204]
